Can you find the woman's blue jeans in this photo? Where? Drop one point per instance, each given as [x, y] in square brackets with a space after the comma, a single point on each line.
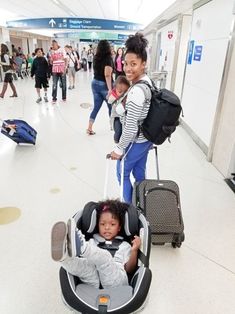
[135, 163]
[100, 91]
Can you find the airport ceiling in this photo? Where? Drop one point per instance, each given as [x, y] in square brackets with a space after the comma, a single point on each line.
[138, 11]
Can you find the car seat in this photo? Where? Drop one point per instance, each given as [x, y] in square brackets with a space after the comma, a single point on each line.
[86, 299]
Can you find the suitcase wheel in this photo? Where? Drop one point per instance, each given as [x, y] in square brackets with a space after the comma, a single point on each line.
[176, 244]
[178, 241]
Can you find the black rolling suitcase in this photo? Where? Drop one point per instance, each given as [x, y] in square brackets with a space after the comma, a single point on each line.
[159, 200]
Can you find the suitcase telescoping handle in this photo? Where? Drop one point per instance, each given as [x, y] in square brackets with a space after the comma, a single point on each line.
[108, 160]
[157, 164]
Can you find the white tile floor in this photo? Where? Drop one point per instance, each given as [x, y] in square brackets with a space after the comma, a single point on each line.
[54, 179]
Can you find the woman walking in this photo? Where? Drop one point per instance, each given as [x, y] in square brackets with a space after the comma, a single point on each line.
[102, 82]
[119, 63]
[90, 57]
[7, 66]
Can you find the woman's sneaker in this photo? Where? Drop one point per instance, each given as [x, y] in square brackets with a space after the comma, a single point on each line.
[58, 241]
[76, 242]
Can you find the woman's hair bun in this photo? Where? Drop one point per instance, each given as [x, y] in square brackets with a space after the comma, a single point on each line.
[137, 44]
[136, 40]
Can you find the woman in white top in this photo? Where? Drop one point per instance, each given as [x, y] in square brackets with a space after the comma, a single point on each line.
[7, 67]
[132, 140]
[72, 65]
[90, 56]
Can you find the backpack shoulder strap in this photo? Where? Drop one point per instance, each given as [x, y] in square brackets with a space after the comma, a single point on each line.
[147, 91]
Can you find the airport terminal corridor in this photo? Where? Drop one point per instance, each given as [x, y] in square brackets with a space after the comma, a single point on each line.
[54, 179]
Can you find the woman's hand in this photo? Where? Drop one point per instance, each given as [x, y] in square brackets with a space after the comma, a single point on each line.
[109, 93]
[115, 156]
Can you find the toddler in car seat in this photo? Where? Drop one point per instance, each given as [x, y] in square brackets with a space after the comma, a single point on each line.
[105, 259]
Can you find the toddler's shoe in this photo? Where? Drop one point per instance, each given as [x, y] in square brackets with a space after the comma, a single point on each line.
[76, 242]
[58, 241]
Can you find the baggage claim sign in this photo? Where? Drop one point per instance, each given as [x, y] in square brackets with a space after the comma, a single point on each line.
[74, 23]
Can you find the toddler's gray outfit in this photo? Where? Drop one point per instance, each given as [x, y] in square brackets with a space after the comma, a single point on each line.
[96, 265]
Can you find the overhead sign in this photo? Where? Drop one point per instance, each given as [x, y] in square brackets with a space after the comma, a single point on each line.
[92, 36]
[74, 23]
[113, 42]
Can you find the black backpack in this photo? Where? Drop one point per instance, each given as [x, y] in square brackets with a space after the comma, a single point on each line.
[163, 115]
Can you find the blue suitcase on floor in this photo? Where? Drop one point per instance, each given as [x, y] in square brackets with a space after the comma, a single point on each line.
[19, 131]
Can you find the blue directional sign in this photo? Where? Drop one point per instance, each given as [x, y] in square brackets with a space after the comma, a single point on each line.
[74, 23]
[197, 53]
[190, 52]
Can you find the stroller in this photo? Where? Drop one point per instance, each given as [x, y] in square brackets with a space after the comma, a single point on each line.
[86, 299]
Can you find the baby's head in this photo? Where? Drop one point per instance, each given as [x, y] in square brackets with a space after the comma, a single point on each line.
[110, 218]
[121, 85]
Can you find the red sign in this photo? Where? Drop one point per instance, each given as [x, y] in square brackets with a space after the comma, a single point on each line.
[170, 34]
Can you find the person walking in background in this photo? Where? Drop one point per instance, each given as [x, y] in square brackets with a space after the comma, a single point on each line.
[8, 68]
[19, 61]
[13, 49]
[118, 63]
[90, 56]
[132, 143]
[72, 62]
[58, 60]
[84, 58]
[29, 61]
[75, 50]
[102, 82]
[40, 70]
[113, 54]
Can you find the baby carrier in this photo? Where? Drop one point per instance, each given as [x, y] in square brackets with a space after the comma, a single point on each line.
[86, 299]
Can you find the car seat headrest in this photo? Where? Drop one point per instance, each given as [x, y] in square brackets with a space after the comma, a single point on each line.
[89, 220]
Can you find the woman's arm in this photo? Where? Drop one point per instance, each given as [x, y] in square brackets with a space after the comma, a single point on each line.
[108, 70]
